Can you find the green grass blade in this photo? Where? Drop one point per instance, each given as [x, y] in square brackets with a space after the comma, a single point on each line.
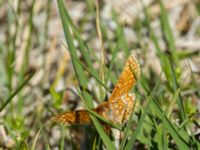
[139, 126]
[73, 52]
[180, 140]
[62, 141]
[114, 53]
[127, 129]
[44, 137]
[175, 88]
[194, 81]
[166, 65]
[161, 55]
[164, 137]
[91, 73]
[81, 77]
[83, 46]
[181, 143]
[108, 143]
[117, 126]
[167, 31]
[11, 56]
[33, 147]
[17, 91]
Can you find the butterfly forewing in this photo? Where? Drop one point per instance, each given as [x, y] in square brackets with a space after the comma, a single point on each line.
[127, 79]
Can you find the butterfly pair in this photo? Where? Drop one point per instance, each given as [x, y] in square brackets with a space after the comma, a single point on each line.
[120, 104]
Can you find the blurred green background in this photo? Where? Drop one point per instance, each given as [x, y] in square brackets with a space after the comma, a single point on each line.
[51, 61]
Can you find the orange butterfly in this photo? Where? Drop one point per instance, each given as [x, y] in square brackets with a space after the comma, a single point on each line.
[120, 104]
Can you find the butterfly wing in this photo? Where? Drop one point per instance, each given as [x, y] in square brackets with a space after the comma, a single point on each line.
[120, 104]
[73, 117]
[119, 110]
[80, 116]
[127, 79]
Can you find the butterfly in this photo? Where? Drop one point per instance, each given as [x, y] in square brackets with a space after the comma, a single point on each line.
[118, 107]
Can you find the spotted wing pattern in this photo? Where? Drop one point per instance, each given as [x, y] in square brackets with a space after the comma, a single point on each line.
[120, 104]
[73, 117]
[127, 79]
[118, 111]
